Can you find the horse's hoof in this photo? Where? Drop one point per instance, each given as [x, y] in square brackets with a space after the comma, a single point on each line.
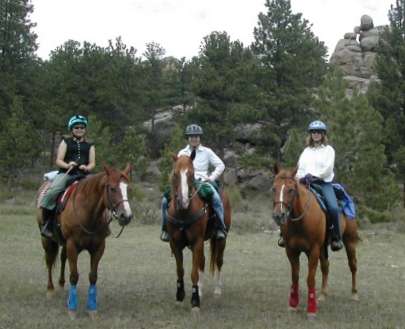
[72, 315]
[321, 298]
[311, 316]
[217, 292]
[92, 315]
[355, 297]
[50, 294]
[195, 311]
[293, 309]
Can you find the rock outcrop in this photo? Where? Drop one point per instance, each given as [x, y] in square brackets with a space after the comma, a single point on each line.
[356, 53]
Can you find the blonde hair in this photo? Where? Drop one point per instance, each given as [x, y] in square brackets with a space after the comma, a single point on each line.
[310, 142]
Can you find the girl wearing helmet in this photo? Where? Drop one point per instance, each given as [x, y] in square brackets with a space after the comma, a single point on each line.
[316, 164]
[75, 159]
[204, 158]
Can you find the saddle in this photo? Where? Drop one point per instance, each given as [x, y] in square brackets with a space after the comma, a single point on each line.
[345, 202]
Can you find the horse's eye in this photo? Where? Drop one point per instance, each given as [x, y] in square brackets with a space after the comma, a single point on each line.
[113, 189]
[273, 189]
[291, 191]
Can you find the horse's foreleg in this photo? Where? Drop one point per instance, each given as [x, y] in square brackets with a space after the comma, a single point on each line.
[294, 258]
[313, 259]
[352, 260]
[72, 254]
[51, 249]
[198, 256]
[95, 256]
[325, 272]
[178, 254]
[62, 266]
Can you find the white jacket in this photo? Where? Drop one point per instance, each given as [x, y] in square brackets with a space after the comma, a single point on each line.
[203, 159]
[318, 161]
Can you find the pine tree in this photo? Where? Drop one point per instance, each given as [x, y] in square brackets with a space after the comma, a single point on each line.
[292, 63]
[356, 133]
[388, 95]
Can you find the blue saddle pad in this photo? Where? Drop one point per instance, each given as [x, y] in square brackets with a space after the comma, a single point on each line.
[345, 202]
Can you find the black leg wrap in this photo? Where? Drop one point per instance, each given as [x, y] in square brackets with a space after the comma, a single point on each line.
[195, 298]
[180, 294]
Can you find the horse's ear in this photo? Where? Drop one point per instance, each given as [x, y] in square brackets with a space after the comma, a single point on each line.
[276, 168]
[107, 169]
[174, 157]
[192, 155]
[128, 170]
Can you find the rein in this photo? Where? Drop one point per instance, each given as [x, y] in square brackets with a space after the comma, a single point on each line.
[111, 207]
[289, 207]
[194, 217]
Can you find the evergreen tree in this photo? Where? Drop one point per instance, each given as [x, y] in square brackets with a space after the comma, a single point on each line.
[356, 133]
[388, 95]
[18, 142]
[292, 63]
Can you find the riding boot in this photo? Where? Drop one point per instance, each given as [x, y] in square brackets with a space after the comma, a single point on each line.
[47, 217]
[336, 243]
[164, 236]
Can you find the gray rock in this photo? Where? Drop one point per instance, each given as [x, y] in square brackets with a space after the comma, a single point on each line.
[366, 23]
[350, 36]
[230, 158]
[260, 182]
[152, 172]
[231, 176]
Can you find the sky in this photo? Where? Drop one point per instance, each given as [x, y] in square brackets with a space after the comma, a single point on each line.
[180, 25]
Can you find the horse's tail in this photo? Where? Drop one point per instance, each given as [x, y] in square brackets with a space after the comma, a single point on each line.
[217, 248]
[51, 249]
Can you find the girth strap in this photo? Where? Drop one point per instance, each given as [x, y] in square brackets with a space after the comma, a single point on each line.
[189, 220]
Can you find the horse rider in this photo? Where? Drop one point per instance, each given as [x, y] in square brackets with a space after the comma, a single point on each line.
[75, 159]
[316, 164]
[204, 158]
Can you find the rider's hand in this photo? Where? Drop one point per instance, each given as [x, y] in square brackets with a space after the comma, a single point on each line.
[72, 164]
[83, 167]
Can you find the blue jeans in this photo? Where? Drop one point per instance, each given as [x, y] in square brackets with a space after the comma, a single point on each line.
[217, 205]
[333, 208]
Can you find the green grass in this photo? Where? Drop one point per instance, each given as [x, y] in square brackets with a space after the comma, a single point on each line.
[137, 282]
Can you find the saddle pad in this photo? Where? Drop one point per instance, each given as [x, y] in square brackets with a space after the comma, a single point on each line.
[64, 197]
[41, 192]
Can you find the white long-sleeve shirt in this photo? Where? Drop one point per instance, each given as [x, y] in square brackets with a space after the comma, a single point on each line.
[203, 159]
[318, 161]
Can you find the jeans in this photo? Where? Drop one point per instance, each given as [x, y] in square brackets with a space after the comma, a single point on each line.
[333, 208]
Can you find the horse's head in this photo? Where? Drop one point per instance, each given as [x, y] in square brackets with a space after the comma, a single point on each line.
[117, 194]
[182, 180]
[285, 190]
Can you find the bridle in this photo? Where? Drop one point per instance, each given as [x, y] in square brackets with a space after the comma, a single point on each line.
[289, 206]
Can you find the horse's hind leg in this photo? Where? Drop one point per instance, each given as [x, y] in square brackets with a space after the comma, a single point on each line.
[62, 266]
[51, 249]
[72, 254]
[325, 273]
[350, 246]
[95, 256]
[217, 260]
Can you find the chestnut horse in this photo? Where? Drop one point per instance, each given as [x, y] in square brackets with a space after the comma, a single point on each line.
[303, 226]
[84, 226]
[189, 224]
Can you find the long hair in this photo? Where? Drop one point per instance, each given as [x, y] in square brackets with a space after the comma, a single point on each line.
[310, 142]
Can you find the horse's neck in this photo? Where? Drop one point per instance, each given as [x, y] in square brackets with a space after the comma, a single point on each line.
[301, 200]
[93, 188]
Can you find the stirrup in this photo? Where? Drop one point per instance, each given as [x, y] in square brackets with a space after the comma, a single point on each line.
[336, 245]
[281, 242]
[164, 236]
[45, 232]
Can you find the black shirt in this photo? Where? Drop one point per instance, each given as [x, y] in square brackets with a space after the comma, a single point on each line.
[77, 151]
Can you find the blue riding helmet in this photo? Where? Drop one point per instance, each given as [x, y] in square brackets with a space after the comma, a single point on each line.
[193, 130]
[77, 119]
[317, 125]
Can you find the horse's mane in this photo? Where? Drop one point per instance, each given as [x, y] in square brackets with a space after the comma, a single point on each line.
[90, 183]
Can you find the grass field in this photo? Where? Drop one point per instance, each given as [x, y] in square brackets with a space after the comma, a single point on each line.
[137, 283]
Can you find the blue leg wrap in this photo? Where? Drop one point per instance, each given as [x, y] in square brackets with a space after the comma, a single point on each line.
[72, 299]
[92, 298]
